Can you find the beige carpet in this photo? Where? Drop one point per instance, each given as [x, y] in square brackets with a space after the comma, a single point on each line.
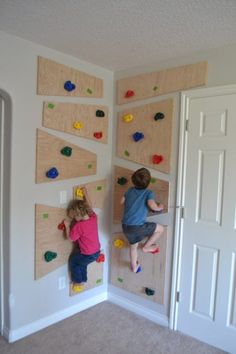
[106, 329]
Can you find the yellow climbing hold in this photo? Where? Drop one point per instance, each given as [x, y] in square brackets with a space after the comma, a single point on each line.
[128, 118]
[79, 193]
[118, 243]
[77, 125]
[77, 288]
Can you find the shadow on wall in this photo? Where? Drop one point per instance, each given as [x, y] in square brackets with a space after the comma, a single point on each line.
[5, 174]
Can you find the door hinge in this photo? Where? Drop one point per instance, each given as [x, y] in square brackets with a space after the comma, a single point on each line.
[186, 125]
[177, 296]
[182, 213]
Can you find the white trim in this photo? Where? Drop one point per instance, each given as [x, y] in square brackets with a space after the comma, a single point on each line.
[33, 327]
[185, 97]
[1, 213]
[138, 309]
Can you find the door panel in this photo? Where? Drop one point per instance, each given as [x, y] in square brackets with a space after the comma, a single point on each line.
[207, 307]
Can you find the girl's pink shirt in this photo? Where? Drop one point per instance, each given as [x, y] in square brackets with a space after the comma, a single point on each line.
[85, 233]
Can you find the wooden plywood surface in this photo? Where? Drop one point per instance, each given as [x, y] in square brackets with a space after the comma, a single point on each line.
[96, 192]
[52, 77]
[162, 82]
[49, 238]
[158, 186]
[153, 269]
[62, 116]
[157, 135]
[80, 163]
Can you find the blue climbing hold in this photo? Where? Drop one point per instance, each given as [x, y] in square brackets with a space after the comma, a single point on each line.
[138, 136]
[52, 173]
[139, 269]
[69, 86]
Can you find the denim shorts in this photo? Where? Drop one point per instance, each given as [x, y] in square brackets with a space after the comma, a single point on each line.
[136, 233]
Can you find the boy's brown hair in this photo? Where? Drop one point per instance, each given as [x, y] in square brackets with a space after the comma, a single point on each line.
[80, 207]
[141, 178]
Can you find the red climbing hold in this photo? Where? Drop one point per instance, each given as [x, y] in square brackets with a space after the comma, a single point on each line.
[129, 94]
[62, 226]
[101, 258]
[156, 159]
[97, 135]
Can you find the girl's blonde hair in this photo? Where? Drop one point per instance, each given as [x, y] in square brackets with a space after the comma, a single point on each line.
[80, 207]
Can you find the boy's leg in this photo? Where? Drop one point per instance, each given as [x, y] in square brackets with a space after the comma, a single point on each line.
[150, 246]
[134, 257]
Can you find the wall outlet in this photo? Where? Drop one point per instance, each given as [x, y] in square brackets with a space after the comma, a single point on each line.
[63, 197]
[61, 283]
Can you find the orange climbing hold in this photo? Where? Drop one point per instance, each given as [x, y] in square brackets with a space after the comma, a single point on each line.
[62, 226]
[97, 135]
[101, 258]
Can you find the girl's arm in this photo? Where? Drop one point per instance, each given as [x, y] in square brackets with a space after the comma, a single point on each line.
[67, 228]
[155, 206]
[87, 199]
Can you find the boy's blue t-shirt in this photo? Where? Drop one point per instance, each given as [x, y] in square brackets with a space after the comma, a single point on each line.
[135, 206]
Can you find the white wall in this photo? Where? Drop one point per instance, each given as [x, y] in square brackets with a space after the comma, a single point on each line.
[32, 300]
[221, 71]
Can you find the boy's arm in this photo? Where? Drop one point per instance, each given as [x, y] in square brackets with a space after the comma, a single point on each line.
[122, 200]
[154, 206]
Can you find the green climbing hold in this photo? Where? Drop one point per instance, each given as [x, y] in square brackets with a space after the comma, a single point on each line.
[126, 152]
[153, 180]
[45, 215]
[51, 105]
[66, 151]
[89, 91]
[99, 281]
[49, 256]
[90, 165]
[120, 280]
[155, 88]
[99, 188]
[122, 180]
[149, 292]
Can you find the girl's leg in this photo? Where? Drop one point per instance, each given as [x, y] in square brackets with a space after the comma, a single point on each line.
[75, 269]
[150, 246]
[134, 257]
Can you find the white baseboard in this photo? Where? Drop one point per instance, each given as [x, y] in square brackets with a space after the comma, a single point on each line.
[33, 327]
[139, 309]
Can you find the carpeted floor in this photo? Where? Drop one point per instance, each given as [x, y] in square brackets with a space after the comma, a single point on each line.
[106, 329]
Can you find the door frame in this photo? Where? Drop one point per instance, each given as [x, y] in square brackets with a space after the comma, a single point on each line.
[5, 177]
[186, 96]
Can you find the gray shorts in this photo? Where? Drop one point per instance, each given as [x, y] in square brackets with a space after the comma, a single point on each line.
[136, 233]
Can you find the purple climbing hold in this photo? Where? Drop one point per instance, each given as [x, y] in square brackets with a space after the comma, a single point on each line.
[52, 173]
[69, 86]
[138, 136]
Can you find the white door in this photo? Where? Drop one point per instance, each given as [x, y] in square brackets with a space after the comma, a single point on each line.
[207, 302]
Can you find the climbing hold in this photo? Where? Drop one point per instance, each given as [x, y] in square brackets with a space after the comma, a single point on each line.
[77, 125]
[100, 113]
[79, 193]
[97, 135]
[156, 159]
[149, 292]
[51, 105]
[120, 280]
[69, 86]
[101, 258]
[139, 269]
[45, 215]
[98, 281]
[77, 288]
[129, 94]
[128, 118]
[61, 226]
[153, 180]
[99, 188]
[122, 180]
[49, 256]
[126, 152]
[89, 91]
[159, 116]
[155, 88]
[138, 136]
[52, 173]
[118, 243]
[90, 165]
[67, 151]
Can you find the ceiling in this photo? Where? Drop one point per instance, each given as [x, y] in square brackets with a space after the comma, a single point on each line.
[118, 34]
